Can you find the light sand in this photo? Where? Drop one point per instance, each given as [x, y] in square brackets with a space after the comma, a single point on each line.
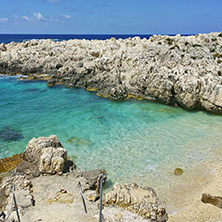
[183, 201]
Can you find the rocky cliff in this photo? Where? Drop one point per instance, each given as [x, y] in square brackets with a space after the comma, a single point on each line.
[176, 70]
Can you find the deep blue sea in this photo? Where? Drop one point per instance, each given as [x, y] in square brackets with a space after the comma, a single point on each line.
[7, 38]
[135, 141]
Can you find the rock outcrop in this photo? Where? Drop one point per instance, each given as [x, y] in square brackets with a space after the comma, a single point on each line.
[42, 196]
[214, 200]
[176, 70]
[22, 192]
[143, 201]
[47, 153]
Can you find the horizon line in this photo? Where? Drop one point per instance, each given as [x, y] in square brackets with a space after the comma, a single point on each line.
[103, 34]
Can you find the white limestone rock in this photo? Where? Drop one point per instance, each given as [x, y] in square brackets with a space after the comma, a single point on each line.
[176, 70]
[47, 153]
[142, 201]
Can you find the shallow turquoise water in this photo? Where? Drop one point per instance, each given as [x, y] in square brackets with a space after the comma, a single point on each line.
[130, 139]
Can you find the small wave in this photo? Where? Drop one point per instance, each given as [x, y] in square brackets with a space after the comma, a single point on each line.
[2, 76]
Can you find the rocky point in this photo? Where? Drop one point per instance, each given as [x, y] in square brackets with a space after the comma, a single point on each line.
[47, 183]
[178, 70]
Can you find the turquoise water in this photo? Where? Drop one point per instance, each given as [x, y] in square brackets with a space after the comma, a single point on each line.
[130, 139]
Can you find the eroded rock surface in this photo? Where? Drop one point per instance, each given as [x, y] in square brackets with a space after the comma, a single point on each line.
[47, 153]
[22, 187]
[143, 201]
[176, 70]
[214, 200]
[42, 196]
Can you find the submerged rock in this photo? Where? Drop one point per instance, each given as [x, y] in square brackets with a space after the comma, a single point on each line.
[35, 90]
[8, 134]
[79, 141]
[178, 171]
[73, 157]
[143, 201]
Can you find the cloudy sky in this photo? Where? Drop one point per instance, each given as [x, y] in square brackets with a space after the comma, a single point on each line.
[110, 16]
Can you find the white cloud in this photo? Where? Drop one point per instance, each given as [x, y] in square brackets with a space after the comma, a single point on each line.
[25, 18]
[38, 16]
[52, 19]
[3, 20]
[67, 16]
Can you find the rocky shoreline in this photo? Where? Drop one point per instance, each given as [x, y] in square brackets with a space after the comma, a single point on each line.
[177, 70]
[46, 189]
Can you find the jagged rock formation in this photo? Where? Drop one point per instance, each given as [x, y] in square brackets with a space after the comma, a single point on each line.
[42, 196]
[47, 153]
[143, 201]
[178, 70]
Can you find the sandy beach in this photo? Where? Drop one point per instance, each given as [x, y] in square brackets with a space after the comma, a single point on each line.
[185, 196]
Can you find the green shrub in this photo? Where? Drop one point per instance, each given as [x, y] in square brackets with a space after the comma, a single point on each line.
[197, 45]
[219, 73]
[169, 41]
[220, 35]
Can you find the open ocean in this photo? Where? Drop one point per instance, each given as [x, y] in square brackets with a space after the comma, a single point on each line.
[135, 141]
[7, 38]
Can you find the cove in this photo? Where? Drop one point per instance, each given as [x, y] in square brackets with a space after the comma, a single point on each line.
[129, 139]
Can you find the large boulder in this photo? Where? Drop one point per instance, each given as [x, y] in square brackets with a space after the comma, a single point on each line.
[91, 178]
[47, 153]
[142, 201]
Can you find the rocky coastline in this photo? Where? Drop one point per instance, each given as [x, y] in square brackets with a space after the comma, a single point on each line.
[46, 189]
[177, 70]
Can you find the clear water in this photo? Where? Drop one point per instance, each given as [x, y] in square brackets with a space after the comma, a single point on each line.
[130, 139]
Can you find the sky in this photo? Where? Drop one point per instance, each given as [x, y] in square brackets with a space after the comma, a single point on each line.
[110, 16]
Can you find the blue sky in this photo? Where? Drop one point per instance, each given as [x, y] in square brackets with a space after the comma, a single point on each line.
[110, 16]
